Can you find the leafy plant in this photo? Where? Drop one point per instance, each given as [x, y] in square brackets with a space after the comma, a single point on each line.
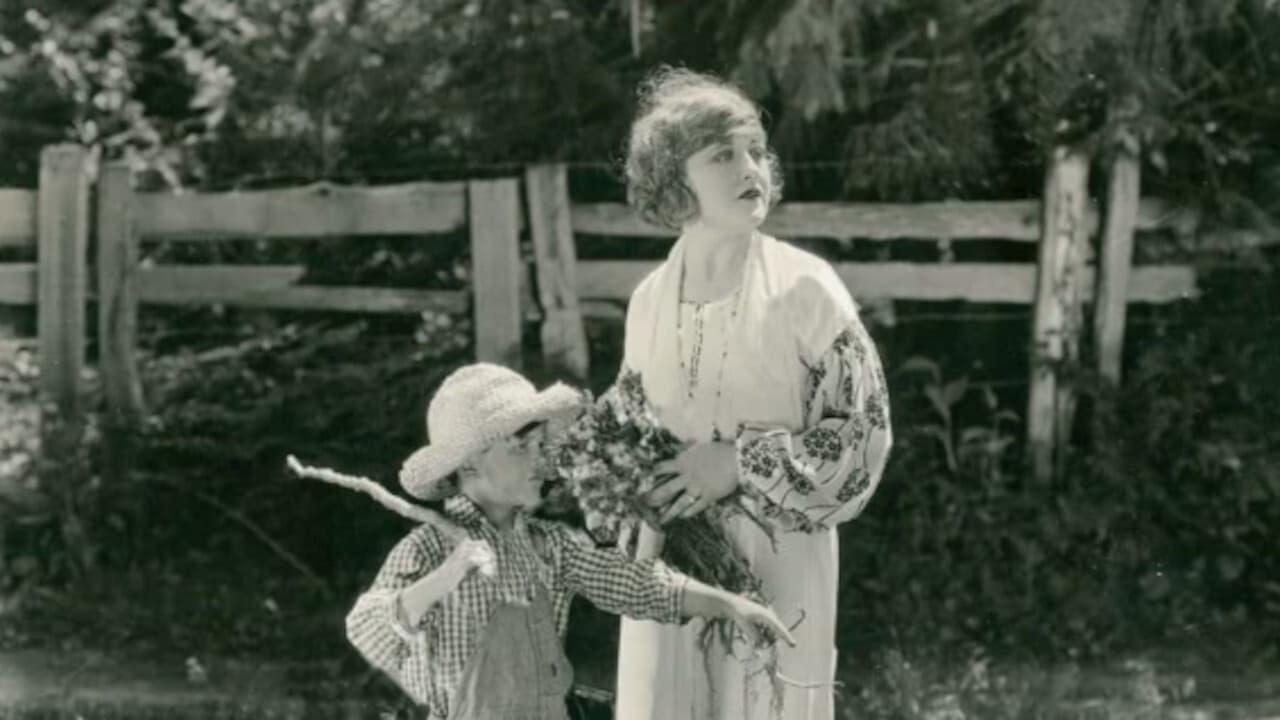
[48, 487]
[977, 449]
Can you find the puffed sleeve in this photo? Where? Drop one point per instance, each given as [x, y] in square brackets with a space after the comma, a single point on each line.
[827, 472]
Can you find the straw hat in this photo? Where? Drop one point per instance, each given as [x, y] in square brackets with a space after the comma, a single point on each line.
[475, 406]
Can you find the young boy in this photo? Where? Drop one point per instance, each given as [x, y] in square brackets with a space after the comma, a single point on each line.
[487, 645]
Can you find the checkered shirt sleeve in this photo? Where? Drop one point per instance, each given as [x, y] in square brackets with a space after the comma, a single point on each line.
[375, 627]
[642, 589]
[428, 661]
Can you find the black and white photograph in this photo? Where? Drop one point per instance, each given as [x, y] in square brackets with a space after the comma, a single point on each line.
[640, 359]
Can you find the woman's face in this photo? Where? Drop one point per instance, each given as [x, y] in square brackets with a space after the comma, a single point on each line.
[730, 178]
[506, 469]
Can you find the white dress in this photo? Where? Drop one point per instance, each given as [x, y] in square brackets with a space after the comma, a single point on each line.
[784, 369]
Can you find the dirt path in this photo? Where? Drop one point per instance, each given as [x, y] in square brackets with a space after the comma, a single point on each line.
[41, 684]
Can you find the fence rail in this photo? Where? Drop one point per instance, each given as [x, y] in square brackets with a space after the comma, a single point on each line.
[313, 211]
[18, 218]
[1016, 220]
[556, 287]
[1013, 283]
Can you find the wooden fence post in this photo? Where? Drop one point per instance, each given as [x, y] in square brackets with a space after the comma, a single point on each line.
[494, 207]
[117, 270]
[62, 275]
[1058, 308]
[62, 239]
[564, 341]
[1115, 262]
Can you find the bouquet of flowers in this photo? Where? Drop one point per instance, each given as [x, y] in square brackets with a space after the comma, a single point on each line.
[606, 459]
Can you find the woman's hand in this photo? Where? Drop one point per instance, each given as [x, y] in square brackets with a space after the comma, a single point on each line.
[702, 474]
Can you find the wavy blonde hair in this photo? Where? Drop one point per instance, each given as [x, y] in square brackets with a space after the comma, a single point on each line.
[679, 113]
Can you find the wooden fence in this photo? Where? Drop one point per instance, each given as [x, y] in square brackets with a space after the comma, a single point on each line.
[556, 289]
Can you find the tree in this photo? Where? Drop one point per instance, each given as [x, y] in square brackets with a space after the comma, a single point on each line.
[905, 100]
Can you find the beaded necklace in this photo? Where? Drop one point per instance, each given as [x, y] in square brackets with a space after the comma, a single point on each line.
[689, 371]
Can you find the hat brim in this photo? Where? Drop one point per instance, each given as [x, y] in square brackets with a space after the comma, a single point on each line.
[424, 474]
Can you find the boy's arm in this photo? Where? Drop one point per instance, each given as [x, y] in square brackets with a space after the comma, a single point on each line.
[416, 600]
[706, 601]
[643, 589]
[415, 577]
[649, 590]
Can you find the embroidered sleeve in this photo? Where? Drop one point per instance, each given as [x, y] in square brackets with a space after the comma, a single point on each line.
[825, 474]
[375, 625]
[642, 589]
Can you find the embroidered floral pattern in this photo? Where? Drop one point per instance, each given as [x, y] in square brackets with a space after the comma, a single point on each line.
[843, 341]
[808, 480]
[824, 444]
[790, 520]
[761, 457]
[813, 382]
[857, 429]
[799, 481]
[857, 483]
[876, 410]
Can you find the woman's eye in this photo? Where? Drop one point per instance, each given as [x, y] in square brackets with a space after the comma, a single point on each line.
[757, 153]
[723, 156]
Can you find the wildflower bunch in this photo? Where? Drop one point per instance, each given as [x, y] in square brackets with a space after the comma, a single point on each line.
[606, 460]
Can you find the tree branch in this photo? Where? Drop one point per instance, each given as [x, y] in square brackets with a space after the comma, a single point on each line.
[392, 502]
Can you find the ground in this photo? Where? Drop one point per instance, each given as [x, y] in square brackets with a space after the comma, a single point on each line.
[259, 649]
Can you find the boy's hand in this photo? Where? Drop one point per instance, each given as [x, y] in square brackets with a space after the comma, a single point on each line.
[415, 600]
[750, 616]
[474, 555]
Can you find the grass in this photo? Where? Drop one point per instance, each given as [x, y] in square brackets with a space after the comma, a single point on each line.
[244, 620]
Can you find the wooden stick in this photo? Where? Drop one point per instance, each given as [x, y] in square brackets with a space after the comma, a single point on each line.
[385, 498]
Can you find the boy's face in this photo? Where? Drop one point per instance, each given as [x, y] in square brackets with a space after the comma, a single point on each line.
[730, 178]
[507, 467]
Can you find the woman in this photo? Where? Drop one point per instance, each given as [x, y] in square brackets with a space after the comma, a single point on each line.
[752, 351]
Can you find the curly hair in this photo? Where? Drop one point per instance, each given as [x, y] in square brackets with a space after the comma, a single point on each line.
[679, 113]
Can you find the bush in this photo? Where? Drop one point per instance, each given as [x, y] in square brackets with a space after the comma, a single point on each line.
[1161, 525]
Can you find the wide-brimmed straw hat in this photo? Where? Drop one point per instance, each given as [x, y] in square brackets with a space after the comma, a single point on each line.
[474, 407]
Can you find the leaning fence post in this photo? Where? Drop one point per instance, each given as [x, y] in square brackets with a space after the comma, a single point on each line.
[1058, 308]
[494, 207]
[564, 341]
[1115, 262]
[117, 272]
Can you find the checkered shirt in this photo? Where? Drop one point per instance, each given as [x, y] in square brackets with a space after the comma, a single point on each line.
[428, 660]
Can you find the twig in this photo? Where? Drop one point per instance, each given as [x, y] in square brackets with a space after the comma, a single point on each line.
[807, 685]
[799, 620]
[384, 497]
[65, 682]
[255, 529]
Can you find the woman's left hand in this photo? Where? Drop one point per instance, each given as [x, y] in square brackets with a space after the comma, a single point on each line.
[703, 474]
